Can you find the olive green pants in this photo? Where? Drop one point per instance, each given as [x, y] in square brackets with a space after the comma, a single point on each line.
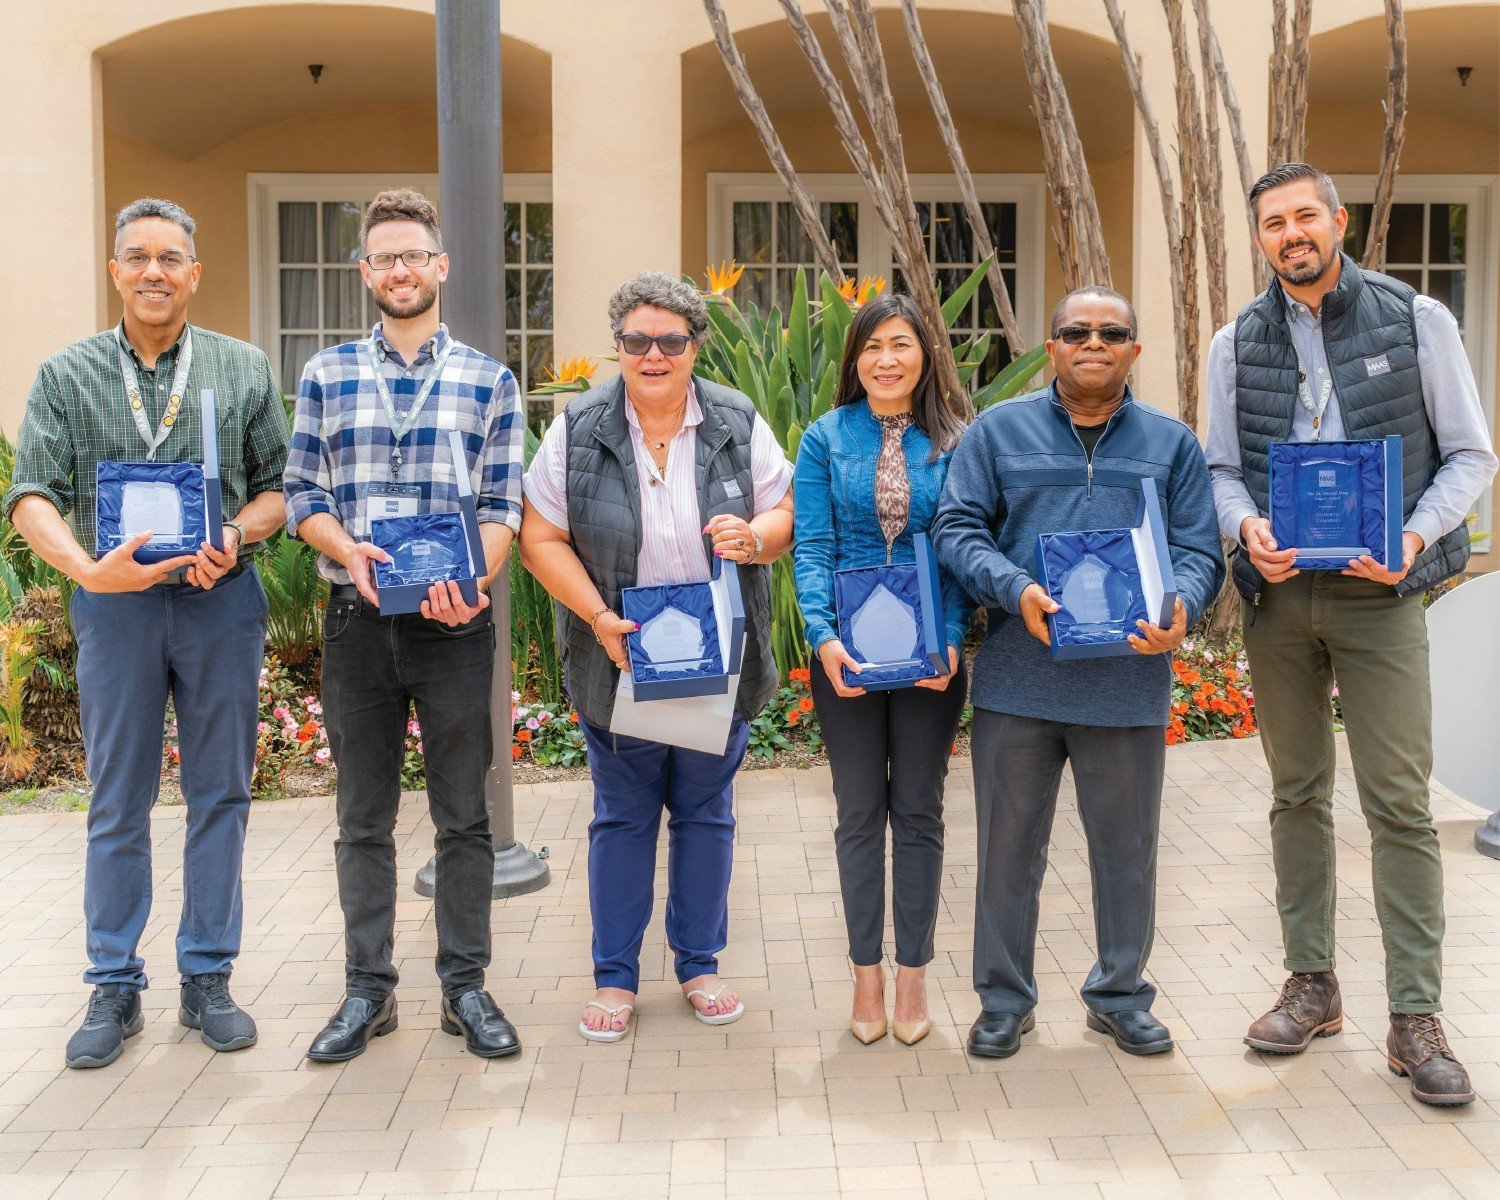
[1315, 630]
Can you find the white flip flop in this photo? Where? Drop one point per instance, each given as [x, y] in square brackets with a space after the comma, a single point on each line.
[606, 1035]
[733, 1014]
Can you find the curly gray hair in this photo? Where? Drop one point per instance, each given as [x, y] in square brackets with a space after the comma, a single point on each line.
[151, 206]
[657, 289]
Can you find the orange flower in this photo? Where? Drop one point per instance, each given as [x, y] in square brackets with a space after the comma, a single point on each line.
[1179, 707]
[573, 716]
[1231, 674]
[1189, 676]
[862, 292]
[523, 735]
[724, 277]
[515, 751]
[573, 369]
[793, 716]
[800, 675]
[805, 704]
[952, 750]
[1172, 738]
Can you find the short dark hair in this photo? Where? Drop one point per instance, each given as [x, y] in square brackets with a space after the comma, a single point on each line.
[1291, 173]
[930, 412]
[1099, 292]
[152, 206]
[401, 204]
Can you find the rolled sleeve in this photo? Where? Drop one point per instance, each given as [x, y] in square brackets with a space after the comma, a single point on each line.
[307, 478]
[504, 454]
[44, 454]
[1232, 500]
[546, 481]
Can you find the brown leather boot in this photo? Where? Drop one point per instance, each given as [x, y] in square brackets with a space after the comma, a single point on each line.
[1309, 1007]
[1417, 1047]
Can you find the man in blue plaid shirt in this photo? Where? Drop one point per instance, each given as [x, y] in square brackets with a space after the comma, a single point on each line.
[371, 439]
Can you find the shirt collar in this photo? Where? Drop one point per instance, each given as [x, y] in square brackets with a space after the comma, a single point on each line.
[692, 416]
[121, 339]
[429, 350]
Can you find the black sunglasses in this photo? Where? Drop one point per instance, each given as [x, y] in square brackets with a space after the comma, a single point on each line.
[1079, 335]
[670, 344]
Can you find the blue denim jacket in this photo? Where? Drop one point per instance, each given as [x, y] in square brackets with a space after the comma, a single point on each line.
[836, 525]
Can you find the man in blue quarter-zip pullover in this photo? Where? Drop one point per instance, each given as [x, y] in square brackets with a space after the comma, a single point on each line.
[1068, 458]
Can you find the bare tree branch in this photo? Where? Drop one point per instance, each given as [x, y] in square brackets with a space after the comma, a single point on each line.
[1395, 135]
[1299, 54]
[1280, 97]
[984, 245]
[802, 203]
[1241, 153]
[1210, 170]
[1188, 137]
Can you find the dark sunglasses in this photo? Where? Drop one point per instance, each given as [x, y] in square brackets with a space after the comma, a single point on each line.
[670, 344]
[1079, 335]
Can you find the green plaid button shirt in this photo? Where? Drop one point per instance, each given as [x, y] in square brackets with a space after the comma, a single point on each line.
[78, 415]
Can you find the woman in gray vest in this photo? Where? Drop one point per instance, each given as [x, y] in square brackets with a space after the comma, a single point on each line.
[869, 474]
[643, 481]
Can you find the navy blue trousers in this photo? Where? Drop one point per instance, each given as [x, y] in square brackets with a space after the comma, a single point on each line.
[634, 780]
[204, 649]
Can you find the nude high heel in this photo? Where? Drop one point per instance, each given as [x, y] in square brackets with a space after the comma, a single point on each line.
[871, 1031]
[911, 1032]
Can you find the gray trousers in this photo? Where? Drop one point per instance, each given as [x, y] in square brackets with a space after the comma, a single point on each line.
[1117, 773]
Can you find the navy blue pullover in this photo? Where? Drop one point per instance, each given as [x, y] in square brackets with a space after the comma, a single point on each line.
[1021, 471]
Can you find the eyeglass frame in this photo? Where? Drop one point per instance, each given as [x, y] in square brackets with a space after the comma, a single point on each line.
[1109, 335]
[391, 266]
[123, 258]
[687, 340]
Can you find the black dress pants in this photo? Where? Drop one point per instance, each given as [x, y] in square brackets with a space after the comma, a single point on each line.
[889, 754]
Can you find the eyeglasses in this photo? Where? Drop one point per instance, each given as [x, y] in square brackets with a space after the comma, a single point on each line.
[412, 258]
[169, 260]
[1080, 335]
[670, 344]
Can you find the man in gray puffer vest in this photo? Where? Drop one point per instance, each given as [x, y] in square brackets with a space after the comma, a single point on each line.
[1331, 352]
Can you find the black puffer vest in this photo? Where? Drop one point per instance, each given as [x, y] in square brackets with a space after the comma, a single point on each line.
[1369, 333]
[604, 522]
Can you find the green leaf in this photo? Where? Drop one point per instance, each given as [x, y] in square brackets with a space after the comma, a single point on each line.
[823, 397]
[793, 441]
[747, 378]
[955, 303]
[1012, 381]
[799, 331]
[781, 414]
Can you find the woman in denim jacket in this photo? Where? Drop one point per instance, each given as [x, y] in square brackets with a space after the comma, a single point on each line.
[868, 478]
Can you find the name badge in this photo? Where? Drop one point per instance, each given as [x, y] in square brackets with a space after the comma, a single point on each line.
[393, 500]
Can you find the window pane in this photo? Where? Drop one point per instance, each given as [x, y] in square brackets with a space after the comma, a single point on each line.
[842, 222]
[341, 223]
[754, 287]
[513, 356]
[513, 299]
[538, 359]
[296, 349]
[1403, 241]
[539, 300]
[1413, 277]
[1354, 233]
[924, 217]
[343, 299]
[948, 281]
[752, 231]
[298, 232]
[299, 298]
[539, 233]
[952, 243]
[512, 233]
[792, 243]
[1001, 220]
[781, 293]
[1448, 288]
[1446, 239]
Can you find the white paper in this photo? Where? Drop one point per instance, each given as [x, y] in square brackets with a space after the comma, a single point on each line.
[383, 505]
[151, 505]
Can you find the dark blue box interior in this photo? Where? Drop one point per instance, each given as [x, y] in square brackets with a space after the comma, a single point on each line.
[1379, 468]
[641, 604]
[187, 478]
[852, 588]
[1061, 552]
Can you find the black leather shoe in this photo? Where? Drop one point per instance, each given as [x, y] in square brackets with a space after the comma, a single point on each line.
[1135, 1030]
[998, 1034]
[350, 1029]
[478, 1018]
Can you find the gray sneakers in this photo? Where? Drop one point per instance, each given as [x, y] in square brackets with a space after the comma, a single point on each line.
[114, 1015]
[207, 1006]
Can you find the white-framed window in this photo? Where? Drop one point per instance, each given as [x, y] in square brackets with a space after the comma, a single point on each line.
[751, 220]
[1444, 240]
[305, 288]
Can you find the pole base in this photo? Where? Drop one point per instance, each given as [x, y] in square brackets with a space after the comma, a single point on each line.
[517, 871]
[1487, 837]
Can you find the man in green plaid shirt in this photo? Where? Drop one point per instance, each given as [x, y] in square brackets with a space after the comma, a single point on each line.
[192, 626]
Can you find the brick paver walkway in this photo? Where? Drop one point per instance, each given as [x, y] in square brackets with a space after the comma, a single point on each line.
[784, 1102]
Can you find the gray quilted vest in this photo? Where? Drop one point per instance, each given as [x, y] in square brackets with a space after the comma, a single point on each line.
[1369, 332]
[604, 522]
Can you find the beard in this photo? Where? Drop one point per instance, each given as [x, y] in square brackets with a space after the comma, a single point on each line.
[404, 310]
[1308, 270]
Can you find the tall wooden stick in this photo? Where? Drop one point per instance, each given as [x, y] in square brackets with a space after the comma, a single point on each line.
[802, 203]
[984, 245]
[1395, 135]
[1241, 154]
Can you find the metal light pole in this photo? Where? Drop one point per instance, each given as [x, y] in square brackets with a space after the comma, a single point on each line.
[469, 167]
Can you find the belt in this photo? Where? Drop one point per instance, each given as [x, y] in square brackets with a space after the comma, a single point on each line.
[180, 577]
[349, 593]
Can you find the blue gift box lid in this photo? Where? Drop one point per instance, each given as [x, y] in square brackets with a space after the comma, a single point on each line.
[1378, 466]
[916, 586]
[1139, 555]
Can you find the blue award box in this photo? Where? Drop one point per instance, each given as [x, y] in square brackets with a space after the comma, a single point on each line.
[431, 548]
[179, 503]
[678, 650]
[1105, 580]
[890, 620]
[1334, 501]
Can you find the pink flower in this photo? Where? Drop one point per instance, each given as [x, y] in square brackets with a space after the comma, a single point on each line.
[532, 723]
[321, 754]
[280, 712]
[419, 747]
[263, 727]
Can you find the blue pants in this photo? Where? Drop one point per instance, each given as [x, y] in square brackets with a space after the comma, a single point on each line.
[633, 781]
[204, 648]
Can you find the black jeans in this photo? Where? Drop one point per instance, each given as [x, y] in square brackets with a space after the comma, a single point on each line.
[374, 669]
[1117, 776]
[889, 755]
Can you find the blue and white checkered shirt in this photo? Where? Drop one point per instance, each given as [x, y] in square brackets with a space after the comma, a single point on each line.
[342, 439]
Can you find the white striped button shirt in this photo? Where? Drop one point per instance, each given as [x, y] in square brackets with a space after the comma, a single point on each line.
[672, 548]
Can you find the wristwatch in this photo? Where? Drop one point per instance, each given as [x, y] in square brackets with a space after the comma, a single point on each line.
[239, 529]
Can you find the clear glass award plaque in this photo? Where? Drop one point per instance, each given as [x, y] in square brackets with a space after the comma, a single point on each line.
[673, 640]
[884, 630]
[1096, 594]
[1328, 495]
[156, 506]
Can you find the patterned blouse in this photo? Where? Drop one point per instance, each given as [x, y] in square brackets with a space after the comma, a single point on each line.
[892, 484]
